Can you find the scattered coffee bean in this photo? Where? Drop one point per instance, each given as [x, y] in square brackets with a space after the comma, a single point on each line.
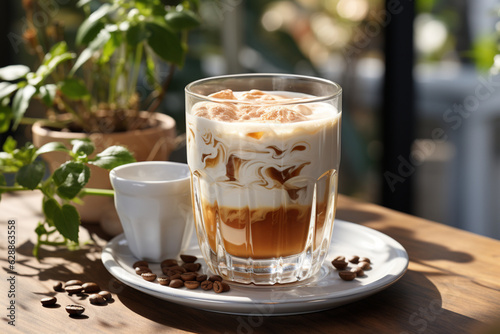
[89, 287]
[339, 258]
[169, 263]
[141, 270]
[207, 285]
[176, 283]
[58, 287]
[48, 301]
[164, 280]
[192, 284]
[106, 295]
[141, 263]
[214, 278]
[175, 276]
[339, 264]
[96, 299]
[347, 275]
[188, 276]
[73, 282]
[150, 277]
[364, 265]
[192, 266]
[358, 270]
[353, 259]
[188, 258]
[364, 259]
[201, 278]
[178, 269]
[75, 309]
[74, 289]
[221, 286]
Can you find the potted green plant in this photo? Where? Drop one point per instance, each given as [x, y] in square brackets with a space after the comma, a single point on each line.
[94, 93]
[62, 188]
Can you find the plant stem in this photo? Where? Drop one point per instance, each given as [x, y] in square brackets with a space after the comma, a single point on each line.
[15, 188]
[96, 191]
[164, 89]
[135, 70]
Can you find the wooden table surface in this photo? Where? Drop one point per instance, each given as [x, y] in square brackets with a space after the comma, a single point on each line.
[452, 285]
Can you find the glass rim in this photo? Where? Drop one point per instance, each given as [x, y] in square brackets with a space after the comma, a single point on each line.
[337, 88]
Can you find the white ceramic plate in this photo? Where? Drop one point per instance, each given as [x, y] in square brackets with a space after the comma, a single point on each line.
[325, 290]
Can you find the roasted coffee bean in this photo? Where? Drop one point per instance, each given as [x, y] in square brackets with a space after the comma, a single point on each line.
[169, 263]
[58, 287]
[207, 285]
[73, 282]
[90, 287]
[106, 295]
[96, 298]
[178, 269]
[72, 289]
[201, 278]
[141, 270]
[364, 259]
[192, 284]
[176, 283]
[364, 265]
[150, 277]
[75, 309]
[339, 264]
[188, 258]
[359, 271]
[141, 263]
[175, 276]
[347, 275]
[214, 278]
[221, 286]
[339, 258]
[353, 259]
[48, 301]
[164, 280]
[192, 266]
[188, 276]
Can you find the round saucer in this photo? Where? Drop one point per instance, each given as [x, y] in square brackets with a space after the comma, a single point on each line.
[323, 291]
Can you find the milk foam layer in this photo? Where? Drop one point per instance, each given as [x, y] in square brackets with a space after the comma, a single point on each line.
[272, 160]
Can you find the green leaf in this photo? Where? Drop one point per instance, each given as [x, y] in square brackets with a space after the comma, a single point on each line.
[112, 157]
[136, 34]
[70, 178]
[74, 89]
[21, 102]
[5, 118]
[110, 46]
[49, 208]
[97, 44]
[165, 43]
[48, 94]
[90, 28]
[183, 20]
[6, 89]
[29, 176]
[10, 145]
[51, 147]
[82, 146]
[67, 222]
[13, 72]
[47, 68]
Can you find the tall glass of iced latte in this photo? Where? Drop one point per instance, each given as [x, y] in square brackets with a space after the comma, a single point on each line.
[264, 153]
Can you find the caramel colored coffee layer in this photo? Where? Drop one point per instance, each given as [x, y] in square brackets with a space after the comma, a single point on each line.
[263, 233]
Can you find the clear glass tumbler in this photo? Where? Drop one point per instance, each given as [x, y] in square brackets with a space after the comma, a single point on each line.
[264, 152]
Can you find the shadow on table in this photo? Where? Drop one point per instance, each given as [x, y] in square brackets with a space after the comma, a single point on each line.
[412, 305]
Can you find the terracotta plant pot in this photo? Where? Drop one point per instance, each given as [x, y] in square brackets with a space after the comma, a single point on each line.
[155, 143]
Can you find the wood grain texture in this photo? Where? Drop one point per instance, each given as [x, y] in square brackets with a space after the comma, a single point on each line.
[452, 285]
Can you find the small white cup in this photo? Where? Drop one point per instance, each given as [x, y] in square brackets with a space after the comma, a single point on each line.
[153, 201]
